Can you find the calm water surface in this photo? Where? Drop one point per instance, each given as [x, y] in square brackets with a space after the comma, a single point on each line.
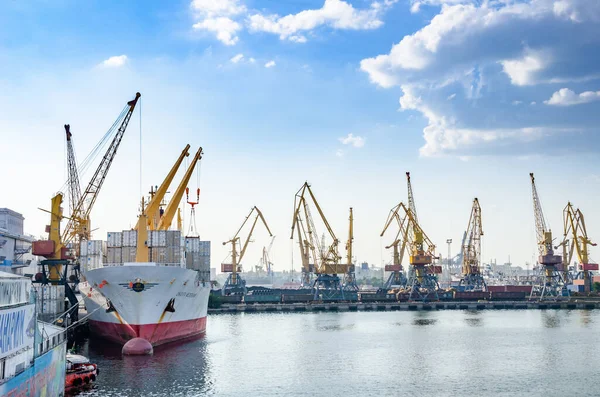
[445, 353]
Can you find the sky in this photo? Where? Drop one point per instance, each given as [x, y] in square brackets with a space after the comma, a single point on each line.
[470, 96]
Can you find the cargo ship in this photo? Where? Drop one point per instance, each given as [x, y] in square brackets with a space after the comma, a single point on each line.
[160, 301]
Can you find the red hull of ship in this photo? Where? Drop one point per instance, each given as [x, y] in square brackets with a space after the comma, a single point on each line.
[156, 334]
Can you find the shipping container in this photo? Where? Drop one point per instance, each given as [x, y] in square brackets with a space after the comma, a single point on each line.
[296, 298]
[129, 238]
[364, 266]
[157, 238]
[226, 267]
[507, 295]
[173, 238]
[393, 268]
[588, 266]
[114, 255]
[43, 247]
[114, 239]
[579, 281]
[128, 254]
[470, 296]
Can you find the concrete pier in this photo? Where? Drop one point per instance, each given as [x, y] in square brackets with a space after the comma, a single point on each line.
[406, 306]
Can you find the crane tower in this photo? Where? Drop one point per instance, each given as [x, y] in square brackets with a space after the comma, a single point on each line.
[551, 283]
[472, 280]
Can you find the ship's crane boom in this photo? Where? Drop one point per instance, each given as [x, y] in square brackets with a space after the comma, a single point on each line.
[544, 236]
[171, 210]
[149, 211]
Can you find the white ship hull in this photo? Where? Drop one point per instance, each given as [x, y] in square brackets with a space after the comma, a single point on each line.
[158, 303]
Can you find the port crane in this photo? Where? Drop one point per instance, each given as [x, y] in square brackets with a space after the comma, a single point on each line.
[326, 258]
[147, 218]
[55, 249]
[350, 276]
[234, 282]
[551, 285]
[574, 226]
[396, 279]
[424, 285]
[265, 260]
[472, 280]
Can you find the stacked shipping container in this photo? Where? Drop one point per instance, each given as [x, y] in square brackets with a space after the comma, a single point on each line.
[50, 301]
[91, 254]
[197, 256]
[165, 247]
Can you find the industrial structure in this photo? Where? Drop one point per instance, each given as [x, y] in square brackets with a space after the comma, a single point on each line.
[472, 279]
[234, 282]
[551, 284]
[327, 267]
[56, 248]
[576, 232]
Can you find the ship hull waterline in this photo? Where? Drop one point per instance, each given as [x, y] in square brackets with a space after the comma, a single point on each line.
[160, 304]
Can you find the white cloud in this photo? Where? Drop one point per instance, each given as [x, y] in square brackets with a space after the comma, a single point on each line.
[533, 103]
[251, 60]
[225, 29]
[237, 58]
[216, 8]
[492, 50]
[115, 62]
[350, 139]
[216, 16]
[522, 71]
[516, 103]
[270, 64]
[336, 14]
[339, 153]
[567, 97]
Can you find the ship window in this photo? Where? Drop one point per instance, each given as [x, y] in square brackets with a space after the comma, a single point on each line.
[2, 365]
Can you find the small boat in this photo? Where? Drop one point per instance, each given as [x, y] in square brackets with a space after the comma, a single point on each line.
[80, 372]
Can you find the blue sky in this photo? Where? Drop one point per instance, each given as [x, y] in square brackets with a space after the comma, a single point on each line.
[470, 96]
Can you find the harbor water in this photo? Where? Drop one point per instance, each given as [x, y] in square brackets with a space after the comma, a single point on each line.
[443, 353]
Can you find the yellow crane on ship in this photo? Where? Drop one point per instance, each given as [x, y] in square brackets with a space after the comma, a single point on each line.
[327, 261]
[551, 284]
[472, 280]
[424, 285]
[574, 226]
[150, 217]
[55, 249]
[234, 280]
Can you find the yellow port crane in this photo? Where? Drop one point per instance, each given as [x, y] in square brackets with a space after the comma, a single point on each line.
[326, 258]
[424, 285]
[350, 276]
[55, 248]
[234, 282]
[551, 284]
[147, 218]
[396, 279]
[574, 226]
[472, 280]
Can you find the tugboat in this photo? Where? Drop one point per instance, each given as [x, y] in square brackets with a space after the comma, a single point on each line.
[80, 372]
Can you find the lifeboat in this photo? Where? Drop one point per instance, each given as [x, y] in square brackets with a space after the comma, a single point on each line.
[80, 372]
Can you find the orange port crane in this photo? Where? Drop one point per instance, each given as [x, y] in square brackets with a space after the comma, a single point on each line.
[234, 280]
[424, 285]
[574, 226]
[327, 266]
[55, 248]
[350, 276]
[551, 284]
[472, 280]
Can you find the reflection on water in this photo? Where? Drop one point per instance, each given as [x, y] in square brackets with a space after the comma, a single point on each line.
[362, 353]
